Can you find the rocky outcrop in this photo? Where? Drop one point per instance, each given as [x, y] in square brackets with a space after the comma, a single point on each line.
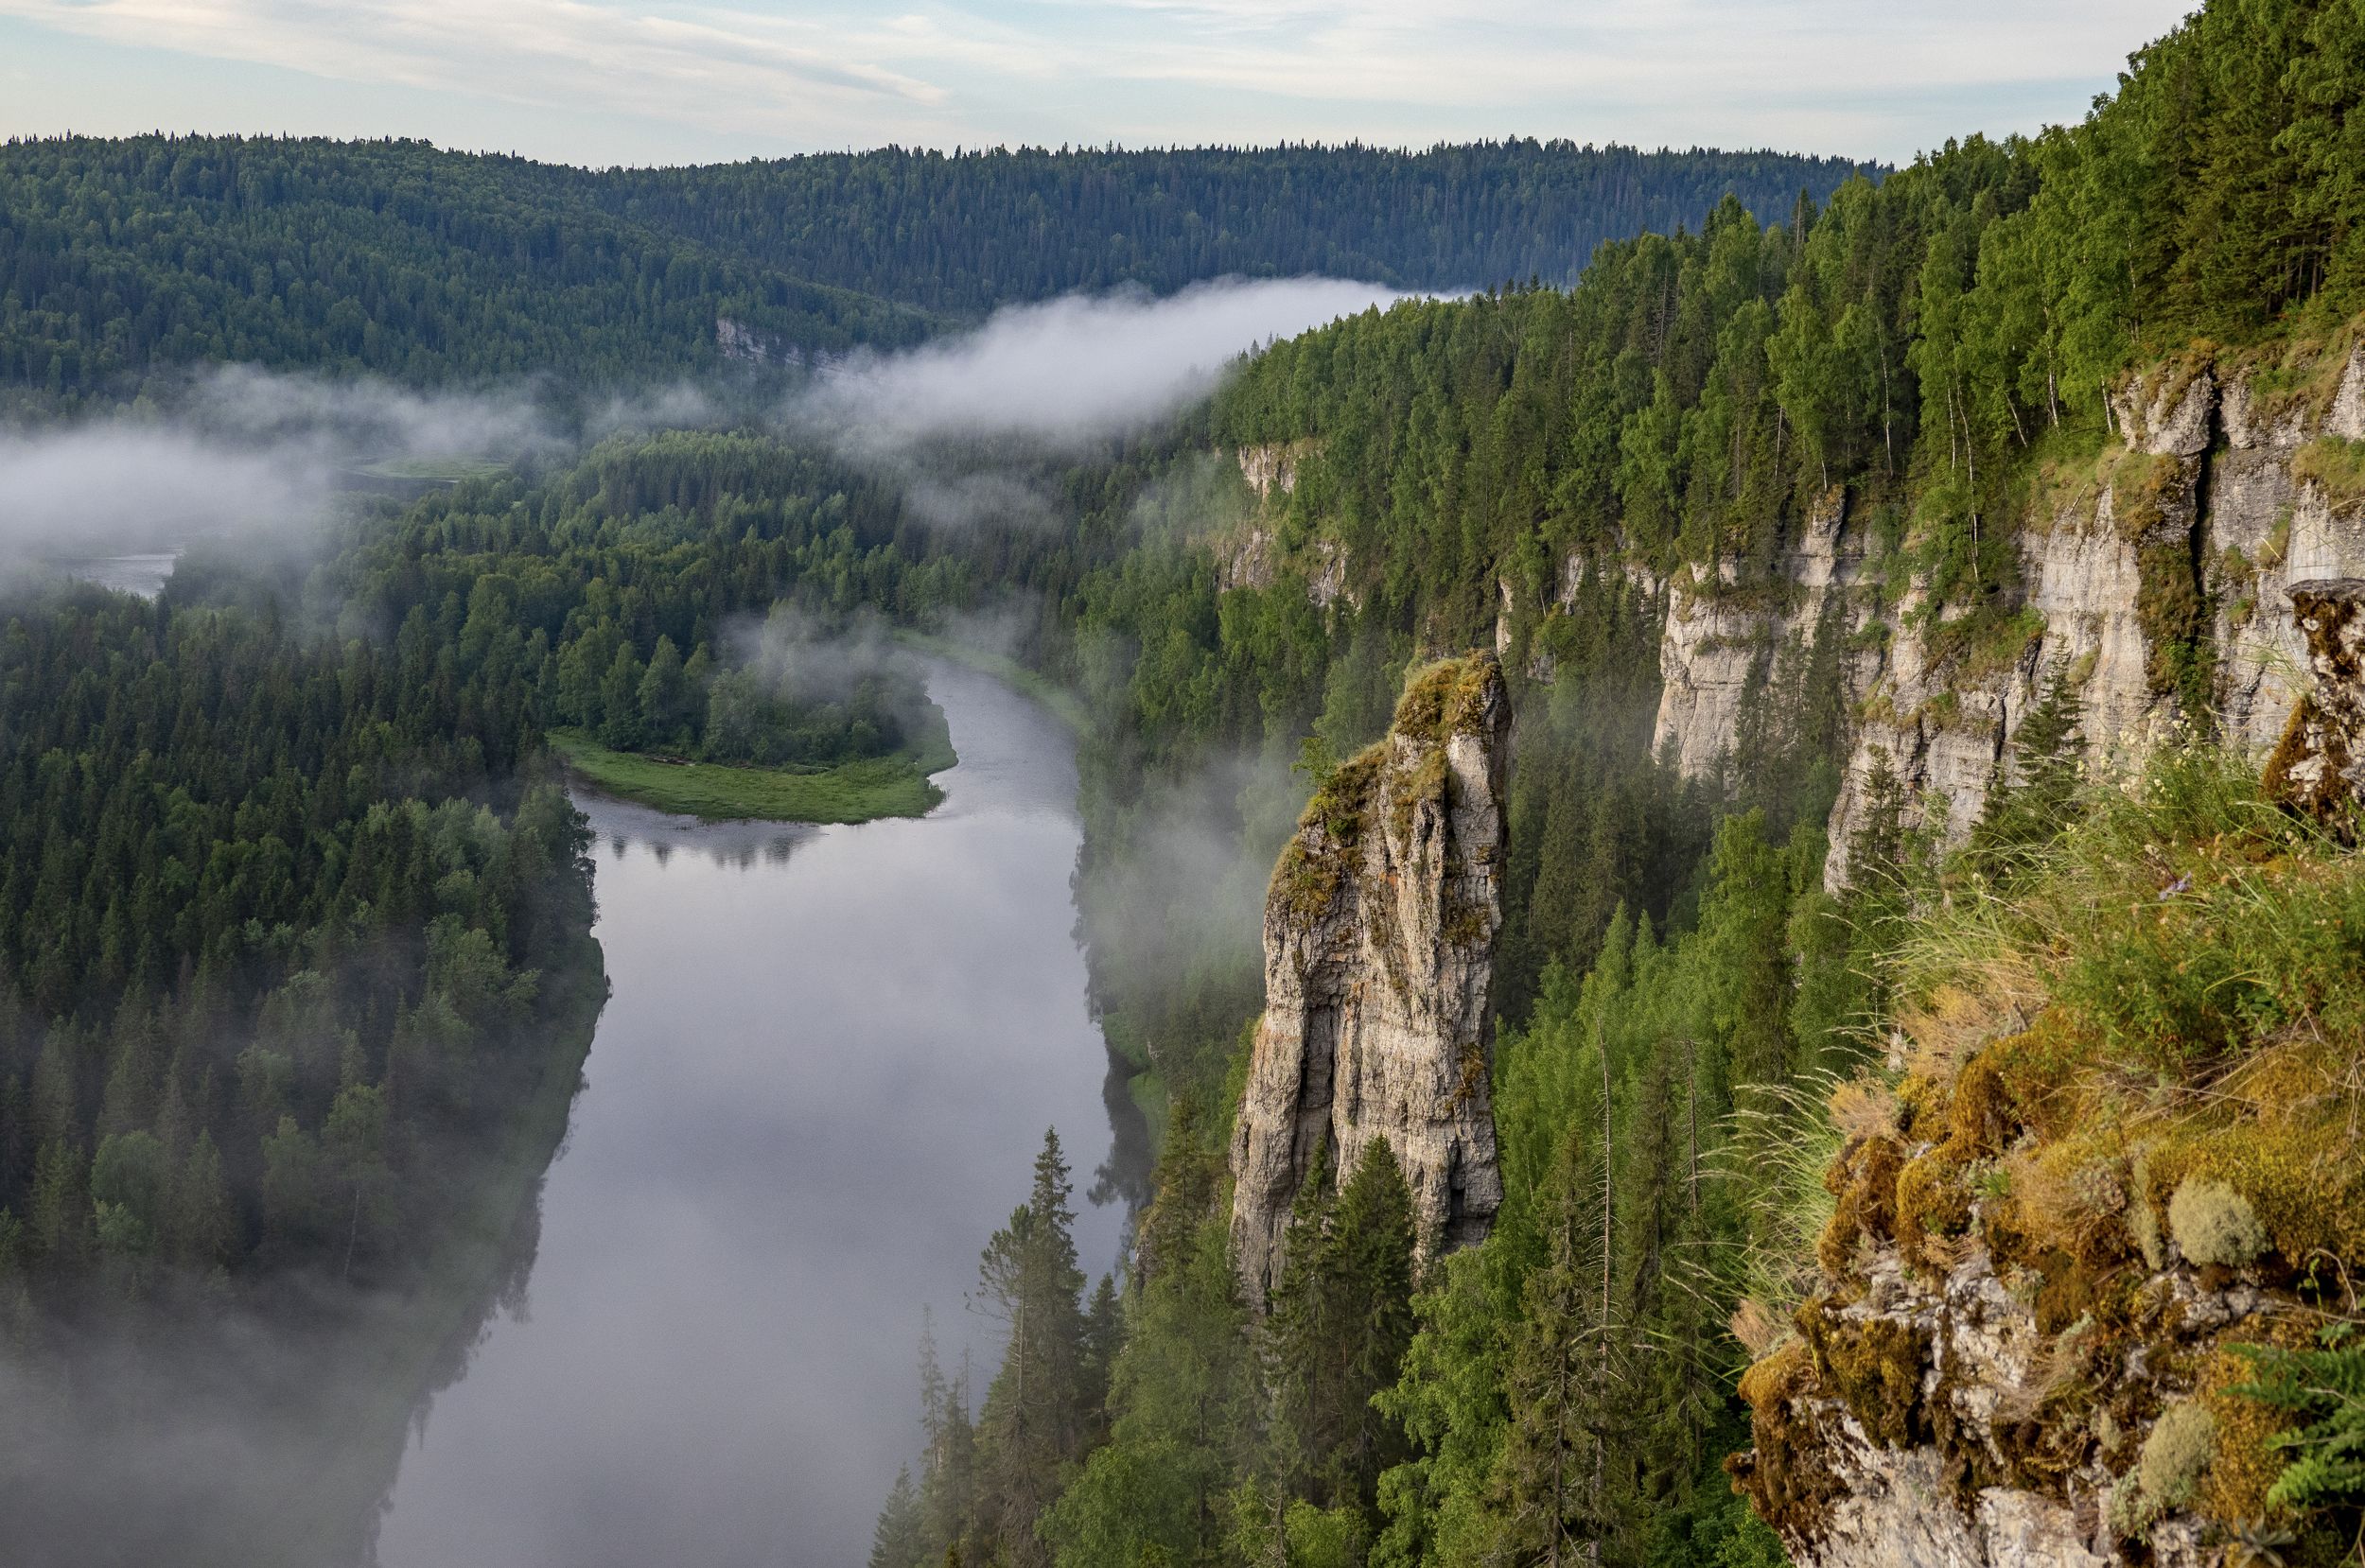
[1251, 555]
[1961, 1395]
[1721, 639]
[1271, 467]
[742, 345]
[1379, 942]
[2152, 588]
[2319, 767]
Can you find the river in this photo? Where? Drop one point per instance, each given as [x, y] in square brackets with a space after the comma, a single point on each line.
[820, 1081]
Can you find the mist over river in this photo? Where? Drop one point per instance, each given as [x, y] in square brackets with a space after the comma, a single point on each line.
[825, 1068]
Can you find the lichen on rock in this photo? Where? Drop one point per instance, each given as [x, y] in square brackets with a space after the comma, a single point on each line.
[1379, 940]
[2319, 768]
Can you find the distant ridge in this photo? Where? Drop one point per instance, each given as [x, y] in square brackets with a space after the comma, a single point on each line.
[122, 259]
[969, 231]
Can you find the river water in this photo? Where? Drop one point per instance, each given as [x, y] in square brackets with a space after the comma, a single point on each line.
[820, 1081]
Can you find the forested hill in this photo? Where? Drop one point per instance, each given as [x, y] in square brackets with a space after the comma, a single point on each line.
[122, 259]
[966, 232]
[119, 258]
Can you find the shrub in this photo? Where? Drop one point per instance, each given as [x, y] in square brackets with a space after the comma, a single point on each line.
[2169, 1469]
[2214, 1224]
[2325, 1389]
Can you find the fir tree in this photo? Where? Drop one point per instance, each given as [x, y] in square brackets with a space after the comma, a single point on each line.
[899, 1539]
[1342, 1318]
[2030, 804]
[1037, 1415]
[948, 1463]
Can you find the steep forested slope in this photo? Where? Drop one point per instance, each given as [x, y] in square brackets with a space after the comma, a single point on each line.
[1875, 526]
[967, 232]
[119, 259]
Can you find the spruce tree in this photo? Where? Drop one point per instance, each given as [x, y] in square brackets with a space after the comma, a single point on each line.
[898, 1541]
[948, 1462]
[1340, 1325]
[1564, 1389]
[1036, 1417]
[2028, 807]
[204, 1227]
[621, 724]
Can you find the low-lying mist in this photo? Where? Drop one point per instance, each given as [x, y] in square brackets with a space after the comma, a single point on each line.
[241, 454]
[1071, 371]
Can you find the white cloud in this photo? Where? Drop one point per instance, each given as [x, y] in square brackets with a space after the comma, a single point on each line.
[251, 453]
[1869, 77]
[720, 68]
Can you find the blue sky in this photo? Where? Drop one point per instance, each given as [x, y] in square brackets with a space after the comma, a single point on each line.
[661, 81]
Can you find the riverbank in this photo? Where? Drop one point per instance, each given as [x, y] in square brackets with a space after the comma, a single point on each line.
[1057, 700]
[421, 1342]
[862, 791]
[260, 1424]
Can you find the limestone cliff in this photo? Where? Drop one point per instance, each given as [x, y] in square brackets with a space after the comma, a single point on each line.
[2318, 766]
[1251, 555]
[1720, 645]
[1379, 942]
[2152, 581]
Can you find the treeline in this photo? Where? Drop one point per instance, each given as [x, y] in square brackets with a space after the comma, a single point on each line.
[122, 259]
[285, 934]
[966, 232]
[1912, 343]
[692, 594]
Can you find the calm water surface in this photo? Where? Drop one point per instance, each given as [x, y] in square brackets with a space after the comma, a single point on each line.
[826, 1064]
[143, 575]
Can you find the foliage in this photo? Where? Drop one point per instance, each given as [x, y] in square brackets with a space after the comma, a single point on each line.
[964, 232]
[123, 259]
[120, 259]
[292, 973]
[2323, 1387]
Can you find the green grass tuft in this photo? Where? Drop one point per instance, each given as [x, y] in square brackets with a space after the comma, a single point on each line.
[862, 791]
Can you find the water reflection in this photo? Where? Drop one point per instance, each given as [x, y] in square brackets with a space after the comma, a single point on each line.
[256, 1433]
[826, 1065]
[625, 828]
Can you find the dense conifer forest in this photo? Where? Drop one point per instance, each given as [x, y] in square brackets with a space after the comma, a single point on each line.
[969, 230]
[289, 929]
[123, 259]
[289, 892]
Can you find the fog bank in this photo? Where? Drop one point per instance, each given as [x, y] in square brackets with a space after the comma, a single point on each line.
[1071, 370]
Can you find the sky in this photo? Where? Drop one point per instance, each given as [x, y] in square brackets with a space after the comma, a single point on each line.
[665, 81]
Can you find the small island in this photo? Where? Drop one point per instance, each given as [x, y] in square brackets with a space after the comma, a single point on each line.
[796, 727]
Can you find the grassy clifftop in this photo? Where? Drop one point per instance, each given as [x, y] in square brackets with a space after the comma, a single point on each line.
[2125, 1086]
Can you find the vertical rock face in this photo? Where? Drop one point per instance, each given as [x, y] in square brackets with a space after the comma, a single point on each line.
[2319, 765]
[1379, 944]
[1719, 646]
[2213, 505]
